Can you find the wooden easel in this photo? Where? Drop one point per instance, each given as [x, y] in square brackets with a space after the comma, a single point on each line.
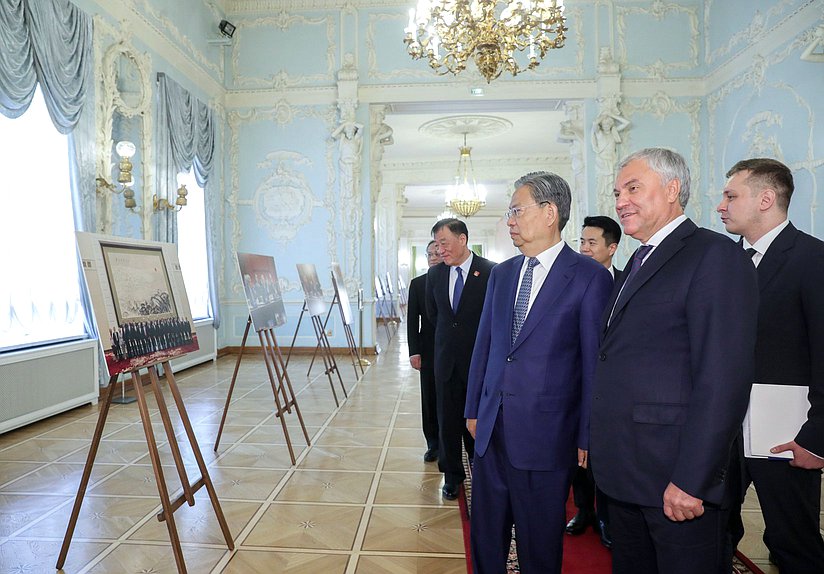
[350, 338]
[274, 360]
[329, 363]
[189, 489]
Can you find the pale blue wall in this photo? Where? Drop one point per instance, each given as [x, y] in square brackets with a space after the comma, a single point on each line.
[705, 77]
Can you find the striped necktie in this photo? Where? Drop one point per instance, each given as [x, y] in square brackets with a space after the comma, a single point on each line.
[522, 302]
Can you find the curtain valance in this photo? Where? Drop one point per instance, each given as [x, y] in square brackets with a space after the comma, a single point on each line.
[50, 42]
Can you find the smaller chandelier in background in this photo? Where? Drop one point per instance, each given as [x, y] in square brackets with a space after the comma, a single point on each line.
[449, 32]
[466, 197]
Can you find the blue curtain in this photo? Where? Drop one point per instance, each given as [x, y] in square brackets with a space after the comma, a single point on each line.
[185, 138]
[47, 42]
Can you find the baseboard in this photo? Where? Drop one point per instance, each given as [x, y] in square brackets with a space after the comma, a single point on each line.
[257, 350]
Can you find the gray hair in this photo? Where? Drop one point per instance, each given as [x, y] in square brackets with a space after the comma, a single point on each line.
[668, 164]
[546, 186]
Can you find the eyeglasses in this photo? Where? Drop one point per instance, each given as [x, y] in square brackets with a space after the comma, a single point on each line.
[517, 212]
[431, 255]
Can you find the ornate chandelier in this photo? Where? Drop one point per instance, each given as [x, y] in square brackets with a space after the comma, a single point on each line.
[466, 197]
[448, 32]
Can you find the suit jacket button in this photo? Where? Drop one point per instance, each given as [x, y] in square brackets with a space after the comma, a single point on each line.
[510, 359]
[455, 324]
[602, 357]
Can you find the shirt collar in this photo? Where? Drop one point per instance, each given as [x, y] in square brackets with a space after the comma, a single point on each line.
[465, 265]
[766, 240]
[548, 256]
[662, 233]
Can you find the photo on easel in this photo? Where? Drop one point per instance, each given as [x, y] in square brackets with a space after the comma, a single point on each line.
[312, 290]
[139, 301]
[343, 296]
[263, 296]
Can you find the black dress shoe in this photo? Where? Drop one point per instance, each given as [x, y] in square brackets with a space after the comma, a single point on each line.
[603, 530]
[579, 522]
[450, 491]
[431, 455]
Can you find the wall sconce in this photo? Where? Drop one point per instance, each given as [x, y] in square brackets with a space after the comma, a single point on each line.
[125, 150]
[163, 203]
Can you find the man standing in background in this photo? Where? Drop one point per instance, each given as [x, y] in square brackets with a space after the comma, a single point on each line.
[790, 267]
[455, 292]
[530, 383]
[420, 337]
[599, 239]
[673, 377]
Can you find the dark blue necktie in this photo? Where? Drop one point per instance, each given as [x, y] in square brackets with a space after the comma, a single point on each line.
[456, 294]
[522, 302]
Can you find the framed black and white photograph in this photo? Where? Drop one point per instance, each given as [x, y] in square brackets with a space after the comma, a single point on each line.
[139, 301]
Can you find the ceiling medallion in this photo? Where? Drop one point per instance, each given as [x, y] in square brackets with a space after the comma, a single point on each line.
[477, 126]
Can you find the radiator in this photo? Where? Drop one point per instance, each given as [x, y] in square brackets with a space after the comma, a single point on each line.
[206, 340]
[38, 383]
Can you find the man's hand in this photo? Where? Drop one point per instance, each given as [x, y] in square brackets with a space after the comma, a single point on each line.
[680, 506]
[470, 426]
[415, 361]
[583, 458]
[802, 458]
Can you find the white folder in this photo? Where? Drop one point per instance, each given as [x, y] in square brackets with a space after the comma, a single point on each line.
[774, 417]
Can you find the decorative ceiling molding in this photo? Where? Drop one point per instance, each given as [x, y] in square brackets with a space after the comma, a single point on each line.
[283, 20]
[814, 52]
[749, 35]
[782, 33]
[234, 7]
[658, 10]
[374, 72]
[170, 30]
[165, 42]
[479, 127]
[755, 76]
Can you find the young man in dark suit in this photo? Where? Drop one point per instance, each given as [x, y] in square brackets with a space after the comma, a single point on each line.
[790, 267]
[673, 377]
[455, 292]
[420, 337]
[599, 240]
[530, 383]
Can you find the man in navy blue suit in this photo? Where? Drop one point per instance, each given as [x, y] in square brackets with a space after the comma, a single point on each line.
[673, 377]
[528, 394]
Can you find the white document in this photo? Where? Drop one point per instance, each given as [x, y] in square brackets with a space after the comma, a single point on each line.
[775, 416]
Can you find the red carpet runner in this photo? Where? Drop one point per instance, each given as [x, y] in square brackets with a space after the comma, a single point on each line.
[583, 554]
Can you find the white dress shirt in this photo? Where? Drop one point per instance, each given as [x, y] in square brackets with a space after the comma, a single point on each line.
[453, 275]
[764, 243]
[539, 272]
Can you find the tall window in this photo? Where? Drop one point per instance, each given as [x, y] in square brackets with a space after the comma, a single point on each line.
[40, 289]
[191, 247]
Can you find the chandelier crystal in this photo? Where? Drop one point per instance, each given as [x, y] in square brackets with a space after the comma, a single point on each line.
[466, 197]
[449, 32]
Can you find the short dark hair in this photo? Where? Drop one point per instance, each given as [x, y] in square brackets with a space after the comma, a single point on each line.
[430, 243]
[767, 172]
[456, 226]
[548, 187]
[610, 227]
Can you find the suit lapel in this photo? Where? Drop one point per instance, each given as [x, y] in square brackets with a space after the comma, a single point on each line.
[471, 283]
[555, 283]
[672, 244]
[776, 256]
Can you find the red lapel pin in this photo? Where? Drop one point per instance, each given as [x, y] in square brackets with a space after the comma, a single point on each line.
[477, 273]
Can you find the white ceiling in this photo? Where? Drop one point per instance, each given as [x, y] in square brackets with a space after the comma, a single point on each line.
[434, 159]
